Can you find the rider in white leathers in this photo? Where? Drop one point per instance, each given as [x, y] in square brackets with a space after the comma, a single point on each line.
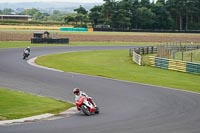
[28, 49]
[26, 52]
[78, 94]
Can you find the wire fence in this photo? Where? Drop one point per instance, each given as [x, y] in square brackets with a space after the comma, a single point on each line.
[175, 50]
[179, 51]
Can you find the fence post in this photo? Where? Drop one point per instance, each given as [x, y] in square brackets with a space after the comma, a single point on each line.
[182, 55]
[143, 50]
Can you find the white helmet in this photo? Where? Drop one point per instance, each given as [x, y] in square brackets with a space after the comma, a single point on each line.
[76, 90]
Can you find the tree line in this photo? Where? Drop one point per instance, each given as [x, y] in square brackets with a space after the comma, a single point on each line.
[143, 14]
[129, 14]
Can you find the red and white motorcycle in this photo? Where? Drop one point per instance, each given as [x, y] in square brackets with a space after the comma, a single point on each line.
[86, 107]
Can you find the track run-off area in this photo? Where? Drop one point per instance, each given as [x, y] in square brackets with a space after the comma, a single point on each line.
[125, 107]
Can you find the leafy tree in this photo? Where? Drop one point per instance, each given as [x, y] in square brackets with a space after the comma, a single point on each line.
[163, 19]
[81, 10]
[69, 19]
[145, 3]
[30, 12]
[7, 11]
[108, 11]
[134, 4]
[56, 16]
[95, 15]
[38, 16]
[146, 18]
[121, 17]
[183, 11]
[162, 2]
[192, 13]
[81, 16]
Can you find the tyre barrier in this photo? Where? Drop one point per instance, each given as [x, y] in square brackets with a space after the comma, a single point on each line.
[177, 65]
[50, 40]
[164, 63]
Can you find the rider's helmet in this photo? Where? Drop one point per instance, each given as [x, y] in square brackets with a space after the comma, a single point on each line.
[28, 47]
[76, 91]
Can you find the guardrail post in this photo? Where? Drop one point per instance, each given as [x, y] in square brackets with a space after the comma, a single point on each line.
[130, 52]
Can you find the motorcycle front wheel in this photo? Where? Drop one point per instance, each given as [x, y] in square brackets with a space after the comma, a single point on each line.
[97, 110]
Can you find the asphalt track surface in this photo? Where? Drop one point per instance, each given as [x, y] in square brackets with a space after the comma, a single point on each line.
[125, 107]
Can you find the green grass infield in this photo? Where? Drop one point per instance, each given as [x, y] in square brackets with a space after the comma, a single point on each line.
[16, 105]
[117, 64]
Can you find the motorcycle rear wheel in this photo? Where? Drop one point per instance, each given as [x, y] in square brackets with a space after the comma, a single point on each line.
[85, 110]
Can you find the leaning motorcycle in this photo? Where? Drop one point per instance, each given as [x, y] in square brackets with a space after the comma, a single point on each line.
[25, 54]
[86, 107]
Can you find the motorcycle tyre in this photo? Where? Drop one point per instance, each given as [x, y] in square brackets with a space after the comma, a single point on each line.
[85, 110]
[25, 56]
[97, 110]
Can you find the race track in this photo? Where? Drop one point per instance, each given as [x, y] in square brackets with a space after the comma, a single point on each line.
[125, 107]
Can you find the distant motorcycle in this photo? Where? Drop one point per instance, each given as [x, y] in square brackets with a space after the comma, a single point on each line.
[86, 107]
[26, 54]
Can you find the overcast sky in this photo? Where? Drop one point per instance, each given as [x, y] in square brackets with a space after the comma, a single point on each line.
[78, 1]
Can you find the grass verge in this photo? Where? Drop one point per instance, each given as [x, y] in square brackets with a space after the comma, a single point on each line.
[117, 64]
[23, 44]
[16, 105]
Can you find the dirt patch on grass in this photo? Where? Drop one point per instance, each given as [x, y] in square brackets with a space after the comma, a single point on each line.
[134, 37]
[2, 118]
